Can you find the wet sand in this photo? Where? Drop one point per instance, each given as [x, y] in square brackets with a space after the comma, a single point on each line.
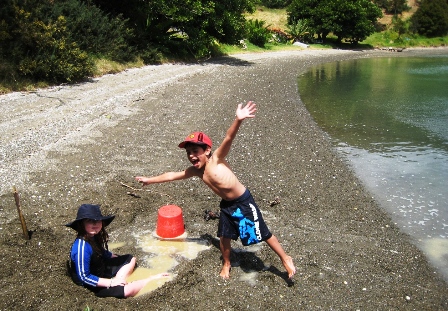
[348, 253]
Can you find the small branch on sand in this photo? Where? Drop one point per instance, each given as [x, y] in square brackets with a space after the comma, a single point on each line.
[135, 189]
[127, 186]
[132, 194]
[275, 202]
[19, 210]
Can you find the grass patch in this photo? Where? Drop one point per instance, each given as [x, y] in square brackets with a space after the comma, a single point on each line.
[226, 49]
[20, 85]
[276, 18]
[104, 66]
[391, 38]
[10, 83]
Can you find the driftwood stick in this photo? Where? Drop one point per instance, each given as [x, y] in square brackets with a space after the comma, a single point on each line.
[127, 186]
[135, 189]
[19, 210]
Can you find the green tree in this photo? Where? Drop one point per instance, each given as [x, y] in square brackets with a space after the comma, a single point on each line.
[299, 30]
[431, 18]
[400, 26]
[392, 6]
[314, 13]
[45, 53]
[183, 25]
[257, 33]
[275, 4]
[228, 24]
[352, 20]
[92, 29]
[36, 48]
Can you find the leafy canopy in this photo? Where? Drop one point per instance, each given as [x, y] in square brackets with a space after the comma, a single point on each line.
[431, 18]
[352, 20]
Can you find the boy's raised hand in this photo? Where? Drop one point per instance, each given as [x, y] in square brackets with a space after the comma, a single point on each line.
[247, 111]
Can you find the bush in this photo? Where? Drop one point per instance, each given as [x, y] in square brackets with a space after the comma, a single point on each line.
[275, 4]
[151, 55]
[393, 6]
[54, 41]
[431, 18]
[42, 51]
[93, 30]
[227, 28]
[55, 59]
[67, 63]
[257, 33]
[300, 31]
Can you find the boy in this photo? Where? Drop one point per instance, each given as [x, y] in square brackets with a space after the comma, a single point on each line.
[240, 216]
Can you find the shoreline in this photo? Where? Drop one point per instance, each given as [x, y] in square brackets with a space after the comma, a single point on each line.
[347, 252]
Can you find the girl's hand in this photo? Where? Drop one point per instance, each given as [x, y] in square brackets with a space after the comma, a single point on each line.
[118, 282]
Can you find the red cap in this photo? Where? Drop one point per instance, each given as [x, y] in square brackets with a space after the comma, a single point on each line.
[198, 138]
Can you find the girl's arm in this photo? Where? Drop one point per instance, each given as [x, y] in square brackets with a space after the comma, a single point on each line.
[81, 255]
[102, 282]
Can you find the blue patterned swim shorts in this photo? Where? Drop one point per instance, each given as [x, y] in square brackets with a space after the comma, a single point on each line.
[242, 218]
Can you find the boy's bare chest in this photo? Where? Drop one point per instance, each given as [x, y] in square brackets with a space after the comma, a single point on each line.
[218, 175]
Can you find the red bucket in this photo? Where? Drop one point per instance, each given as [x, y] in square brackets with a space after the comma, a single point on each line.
[170, 223]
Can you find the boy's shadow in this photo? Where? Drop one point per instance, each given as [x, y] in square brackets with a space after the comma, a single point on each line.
[249, 262]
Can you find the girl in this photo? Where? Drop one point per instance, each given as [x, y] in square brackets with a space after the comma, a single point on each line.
[91, 263]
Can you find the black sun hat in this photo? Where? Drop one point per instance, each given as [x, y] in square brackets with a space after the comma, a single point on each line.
[90, 211]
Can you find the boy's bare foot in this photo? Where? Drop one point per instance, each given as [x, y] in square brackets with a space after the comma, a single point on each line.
[225, 271]
[289, 266]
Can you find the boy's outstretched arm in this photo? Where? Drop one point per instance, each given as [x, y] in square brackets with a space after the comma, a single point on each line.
[242, 113]
[165, 177]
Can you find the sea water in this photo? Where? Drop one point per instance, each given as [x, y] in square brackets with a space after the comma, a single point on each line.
[389, 118]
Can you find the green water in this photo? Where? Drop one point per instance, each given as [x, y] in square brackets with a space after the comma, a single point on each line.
[380, 100]
[388, 117]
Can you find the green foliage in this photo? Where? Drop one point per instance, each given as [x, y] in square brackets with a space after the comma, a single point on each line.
[392, 6]
[400, 26]
[431, 18]
[300, 31]
[275, 4]
[355, 20]
[151, 55]
[317, 15]
[54, 41]
[391, 38]
[43, 52]
[116, 30]
[257, 33]
[200, 22]
[350, 20]
[93, 30]
[229, 28]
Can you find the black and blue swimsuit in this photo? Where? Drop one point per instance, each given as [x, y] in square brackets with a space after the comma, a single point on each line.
[242, 218]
